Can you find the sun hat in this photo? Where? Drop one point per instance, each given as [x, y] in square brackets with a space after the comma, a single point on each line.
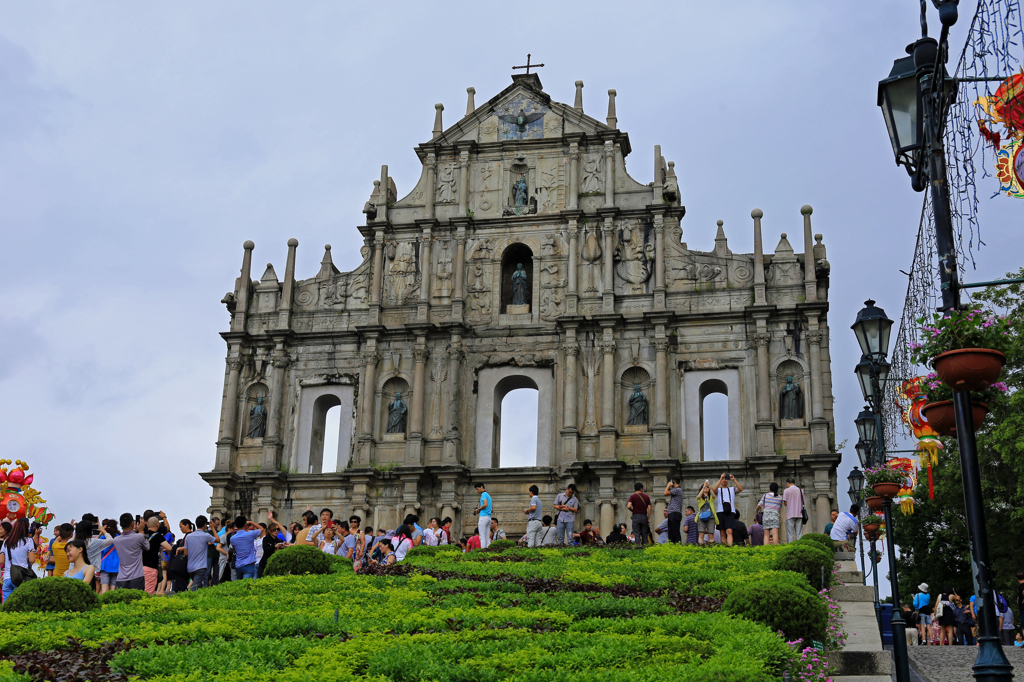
[923, 587]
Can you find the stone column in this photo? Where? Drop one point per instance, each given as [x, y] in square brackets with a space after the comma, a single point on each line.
[765, 427]
[428, 200]
[413, 453]
[574, 182]
[460, 271]
[609, 257]
[452, 438]
[424, 304]
[572, 349]
[229, 412]
[659, 262]
[609, 174]
[463, 182]
[574, 234]
[378, 266]
[272, 441]
[759, 285]
[818, 423]
[660, 382]
[370, 358]
[608, 430]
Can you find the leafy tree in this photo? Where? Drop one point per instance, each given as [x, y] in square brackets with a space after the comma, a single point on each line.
[933, 541]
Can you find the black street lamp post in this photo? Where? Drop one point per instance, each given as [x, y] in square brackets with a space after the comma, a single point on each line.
[872, 329]
[915, 99]
[856, 479]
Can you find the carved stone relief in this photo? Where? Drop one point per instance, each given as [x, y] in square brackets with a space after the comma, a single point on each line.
[438, 375]
[447, 176]
[403, 280]
[479, 290]
[590, 253]
[592, 174]
[634, 258]
[443, 272]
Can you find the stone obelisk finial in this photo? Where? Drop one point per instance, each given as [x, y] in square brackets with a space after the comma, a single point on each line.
[470, 104]
[578, 102]
[759, 287]
[810, 278]
[613, 120]
[438, 128]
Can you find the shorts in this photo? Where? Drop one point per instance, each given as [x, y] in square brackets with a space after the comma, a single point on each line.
[926, 619]
[150, 576]
[707, 526]
[107, 578]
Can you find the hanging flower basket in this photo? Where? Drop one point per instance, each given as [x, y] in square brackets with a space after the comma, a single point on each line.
[875, 503]
[872, 527]
[886, 489]
[969, 369]
[870, 535]
[942, 418]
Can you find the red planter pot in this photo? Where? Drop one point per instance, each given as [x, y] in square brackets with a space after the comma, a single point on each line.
[875, 503]
[942, 418]
[869, 536]
[889, 490]
[872, 527]
[970, 369]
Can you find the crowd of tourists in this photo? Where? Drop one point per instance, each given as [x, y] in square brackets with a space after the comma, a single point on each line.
[146, 552]
[950, 619]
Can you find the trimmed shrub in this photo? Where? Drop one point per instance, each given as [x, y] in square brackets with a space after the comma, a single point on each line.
[122, 596]
[820, 538]
[501, 545]
[52, 594]
[776, 604]
[808, 558]
[298, 560]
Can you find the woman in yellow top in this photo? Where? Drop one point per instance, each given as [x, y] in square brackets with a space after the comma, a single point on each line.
[707, 519]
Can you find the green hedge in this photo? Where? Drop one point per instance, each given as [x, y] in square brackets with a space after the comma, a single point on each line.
[796, 613]
[819, 538]
[298, 560]
[808, 558]
[52, 595]
[122, 596]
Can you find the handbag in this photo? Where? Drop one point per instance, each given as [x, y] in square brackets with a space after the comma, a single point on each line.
[19, 574]
[803, 509]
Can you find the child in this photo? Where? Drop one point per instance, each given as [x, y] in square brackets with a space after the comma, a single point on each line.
[690, 526]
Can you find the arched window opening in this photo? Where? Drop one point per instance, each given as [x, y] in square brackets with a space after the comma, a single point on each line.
[518, 440]
[714, 421]
[319, 434]
[514, 256]
[332, 436]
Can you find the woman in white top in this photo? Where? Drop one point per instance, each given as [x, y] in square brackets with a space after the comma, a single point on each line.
[438, 536]
[330, 544]
[771, 503]
[402, 542]
[79, 568]
[18, 550]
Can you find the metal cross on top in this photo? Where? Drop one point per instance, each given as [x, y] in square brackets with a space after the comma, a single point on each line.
[528, 65]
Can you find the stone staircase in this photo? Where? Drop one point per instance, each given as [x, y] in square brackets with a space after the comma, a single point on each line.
[863, 659]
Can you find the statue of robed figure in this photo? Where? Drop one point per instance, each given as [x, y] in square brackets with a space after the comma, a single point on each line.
[257, 420]
[520, 286]
[396, 415]
[638, 408]
[791, 400]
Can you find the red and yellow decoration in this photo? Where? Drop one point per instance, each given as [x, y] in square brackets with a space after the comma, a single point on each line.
[906, 494]
[1005, 109]
[928, 443]
[17, 497]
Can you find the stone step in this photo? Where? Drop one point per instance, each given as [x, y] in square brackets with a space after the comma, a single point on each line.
[845, 556]
[846, 565]
[851, 577]
[862, 678]
[859, 663]
[853, 593]
[861, 626]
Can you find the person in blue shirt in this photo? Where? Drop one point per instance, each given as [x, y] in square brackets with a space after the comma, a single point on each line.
[485, 510]
[922, 604]
[247, 534]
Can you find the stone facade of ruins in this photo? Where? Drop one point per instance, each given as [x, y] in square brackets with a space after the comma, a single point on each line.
[612, 303]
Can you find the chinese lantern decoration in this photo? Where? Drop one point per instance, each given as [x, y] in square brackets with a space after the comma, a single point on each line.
[1005, 110]
[905, 496]
[928, 442]
[18, 498]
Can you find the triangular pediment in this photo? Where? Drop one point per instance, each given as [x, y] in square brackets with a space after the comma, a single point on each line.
[522, 111]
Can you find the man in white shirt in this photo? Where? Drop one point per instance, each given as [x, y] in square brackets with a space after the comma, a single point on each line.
[844, 527]
[725, 493]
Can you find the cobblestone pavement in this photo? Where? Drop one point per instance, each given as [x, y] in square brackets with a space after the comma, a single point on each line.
[953, 663]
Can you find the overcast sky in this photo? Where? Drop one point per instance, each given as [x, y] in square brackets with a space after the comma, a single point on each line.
[142, 143]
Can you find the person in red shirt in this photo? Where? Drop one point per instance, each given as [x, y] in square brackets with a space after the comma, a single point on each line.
[473, 542]
[640, 504]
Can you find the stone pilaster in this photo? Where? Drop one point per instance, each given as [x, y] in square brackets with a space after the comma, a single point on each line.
[608, 279]
[370, 357]
[460, 272]
[423, 307]
[574, 174]
[570, 432]
[453, 438]
[572, 295]
[463, 182]
[660, 430]
[659, 262]
[765, 427]
[229, 413]
[414, 445]
[430, 165]
[818, 423]
[609, 174]
[377, 275]
[608, 431]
